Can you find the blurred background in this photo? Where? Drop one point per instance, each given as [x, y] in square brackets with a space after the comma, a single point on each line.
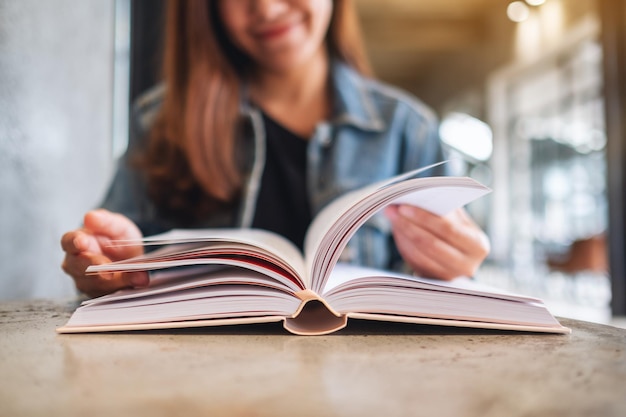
[531, 96]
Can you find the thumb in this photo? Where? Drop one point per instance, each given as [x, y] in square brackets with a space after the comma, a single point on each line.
[107, 227]
[112, 225]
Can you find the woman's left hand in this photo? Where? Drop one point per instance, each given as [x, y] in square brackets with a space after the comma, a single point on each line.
[443, 247]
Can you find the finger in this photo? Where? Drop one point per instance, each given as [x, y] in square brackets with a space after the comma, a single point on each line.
[109, 227]
[99, 284]
[428, 255]
[68, 243]
[76, 265]
[78, 241]
[416, 235]
[429, 268]
[435, 224]
[427, 252]
[112, 225]
[474, 231]
[420, 263]
[456, 229]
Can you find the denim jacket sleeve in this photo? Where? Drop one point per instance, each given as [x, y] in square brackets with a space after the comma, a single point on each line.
[127, 193]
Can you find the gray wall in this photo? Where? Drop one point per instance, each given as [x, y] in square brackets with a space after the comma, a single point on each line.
[56, 84]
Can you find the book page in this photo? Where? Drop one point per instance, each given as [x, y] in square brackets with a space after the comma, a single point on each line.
[344, 275]
[259, 249]
[337, 222]
[197, 303]
[329, 214]
[167, 282]
[365, 290]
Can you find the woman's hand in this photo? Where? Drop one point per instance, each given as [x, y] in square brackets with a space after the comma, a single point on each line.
[91, 245]
[443, 247]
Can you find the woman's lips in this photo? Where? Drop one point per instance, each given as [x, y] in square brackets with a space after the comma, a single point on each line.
[274, 32]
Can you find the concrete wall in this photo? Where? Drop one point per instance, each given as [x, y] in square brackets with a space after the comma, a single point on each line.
[56, 78]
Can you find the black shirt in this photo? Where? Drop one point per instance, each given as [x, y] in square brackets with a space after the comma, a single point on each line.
[283, 203]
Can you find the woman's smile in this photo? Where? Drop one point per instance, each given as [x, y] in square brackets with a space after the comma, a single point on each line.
[275, 31]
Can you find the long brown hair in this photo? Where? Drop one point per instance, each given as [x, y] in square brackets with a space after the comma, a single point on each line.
[191, 163]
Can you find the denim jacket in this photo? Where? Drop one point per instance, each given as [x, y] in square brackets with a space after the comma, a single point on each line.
[375, 132]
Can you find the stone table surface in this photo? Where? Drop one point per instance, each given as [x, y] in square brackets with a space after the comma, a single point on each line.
[368, 369]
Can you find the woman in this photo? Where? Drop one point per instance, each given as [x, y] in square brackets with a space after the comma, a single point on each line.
[266, 114]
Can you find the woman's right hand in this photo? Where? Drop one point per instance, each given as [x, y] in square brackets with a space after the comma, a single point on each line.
[91, 245]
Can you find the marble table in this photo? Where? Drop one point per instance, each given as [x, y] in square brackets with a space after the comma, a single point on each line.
[368, 369]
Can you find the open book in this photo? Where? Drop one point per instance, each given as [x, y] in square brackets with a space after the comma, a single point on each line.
[216, 277]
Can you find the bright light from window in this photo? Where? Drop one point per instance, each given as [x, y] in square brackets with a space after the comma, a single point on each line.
[518, 11]
[535, 2]
[468, 135]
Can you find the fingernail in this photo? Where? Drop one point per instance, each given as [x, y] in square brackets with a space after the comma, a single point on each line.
[78, 242]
